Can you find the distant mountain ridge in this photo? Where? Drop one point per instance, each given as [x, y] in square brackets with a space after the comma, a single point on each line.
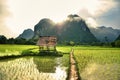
[74, 28]
[108, 32]
[27, 34]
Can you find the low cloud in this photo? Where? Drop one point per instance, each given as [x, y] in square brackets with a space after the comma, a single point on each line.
[105, 6]
[91, 22]
[112, 17]
[97, 9]
[4, 13]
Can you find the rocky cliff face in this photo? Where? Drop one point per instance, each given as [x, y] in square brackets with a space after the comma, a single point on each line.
[27, 34]
[45, 27]
[72, 29]
[118, 38]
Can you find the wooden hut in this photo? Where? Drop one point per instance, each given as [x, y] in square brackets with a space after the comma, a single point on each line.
[47, 43]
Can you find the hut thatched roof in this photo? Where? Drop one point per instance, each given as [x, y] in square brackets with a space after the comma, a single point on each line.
[47, 41]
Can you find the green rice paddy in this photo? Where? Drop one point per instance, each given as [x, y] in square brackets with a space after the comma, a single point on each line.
[94, 63]
[98, 63]
[32, 67]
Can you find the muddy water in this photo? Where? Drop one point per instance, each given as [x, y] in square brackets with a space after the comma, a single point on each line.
[33, 68]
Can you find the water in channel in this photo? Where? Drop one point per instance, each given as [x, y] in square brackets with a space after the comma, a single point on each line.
[34, 68]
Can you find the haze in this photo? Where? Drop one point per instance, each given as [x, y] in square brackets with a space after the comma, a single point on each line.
[17, 15]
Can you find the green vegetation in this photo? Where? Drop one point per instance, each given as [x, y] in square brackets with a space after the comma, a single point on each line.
[98, 63]
[14, 49]
[94, 63]
[32, 67]
[117, 43]
[22, 41]
[6, 51]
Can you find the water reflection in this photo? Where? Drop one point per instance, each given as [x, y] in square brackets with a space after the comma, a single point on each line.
[60, 73]
[45, 64]
[32, 68]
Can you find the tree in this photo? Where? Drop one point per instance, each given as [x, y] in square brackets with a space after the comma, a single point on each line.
[11, 41]
[72, 43]
[3, 39]
[113, 44]
[20, 41]
[117, 43]
[30, 42]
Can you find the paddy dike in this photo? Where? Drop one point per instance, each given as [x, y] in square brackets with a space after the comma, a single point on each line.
[73, 71]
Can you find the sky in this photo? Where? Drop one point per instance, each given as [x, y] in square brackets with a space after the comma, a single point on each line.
[18, 15]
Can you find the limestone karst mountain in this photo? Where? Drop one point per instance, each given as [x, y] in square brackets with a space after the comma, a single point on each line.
[73, 29]
[118, 38]
[27, 34]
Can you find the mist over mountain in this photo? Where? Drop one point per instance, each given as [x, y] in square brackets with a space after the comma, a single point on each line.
[73, 29]
[101, 33]
[27, 34]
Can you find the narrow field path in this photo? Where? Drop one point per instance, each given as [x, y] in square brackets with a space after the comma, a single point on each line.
[73, 75]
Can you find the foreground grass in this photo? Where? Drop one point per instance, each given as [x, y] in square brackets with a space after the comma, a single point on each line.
[98, 63]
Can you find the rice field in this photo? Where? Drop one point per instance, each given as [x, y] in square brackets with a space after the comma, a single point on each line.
[98, 63]
[33, 68]
[14, 49]
[94, 63]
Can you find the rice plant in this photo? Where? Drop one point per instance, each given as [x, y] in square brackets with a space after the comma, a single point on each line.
[98, 63]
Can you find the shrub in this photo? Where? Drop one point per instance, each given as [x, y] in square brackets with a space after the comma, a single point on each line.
[117, 43]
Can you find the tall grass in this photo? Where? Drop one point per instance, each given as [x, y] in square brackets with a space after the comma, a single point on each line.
[98, 63]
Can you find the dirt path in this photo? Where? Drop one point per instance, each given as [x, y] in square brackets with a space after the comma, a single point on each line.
[73, 75]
